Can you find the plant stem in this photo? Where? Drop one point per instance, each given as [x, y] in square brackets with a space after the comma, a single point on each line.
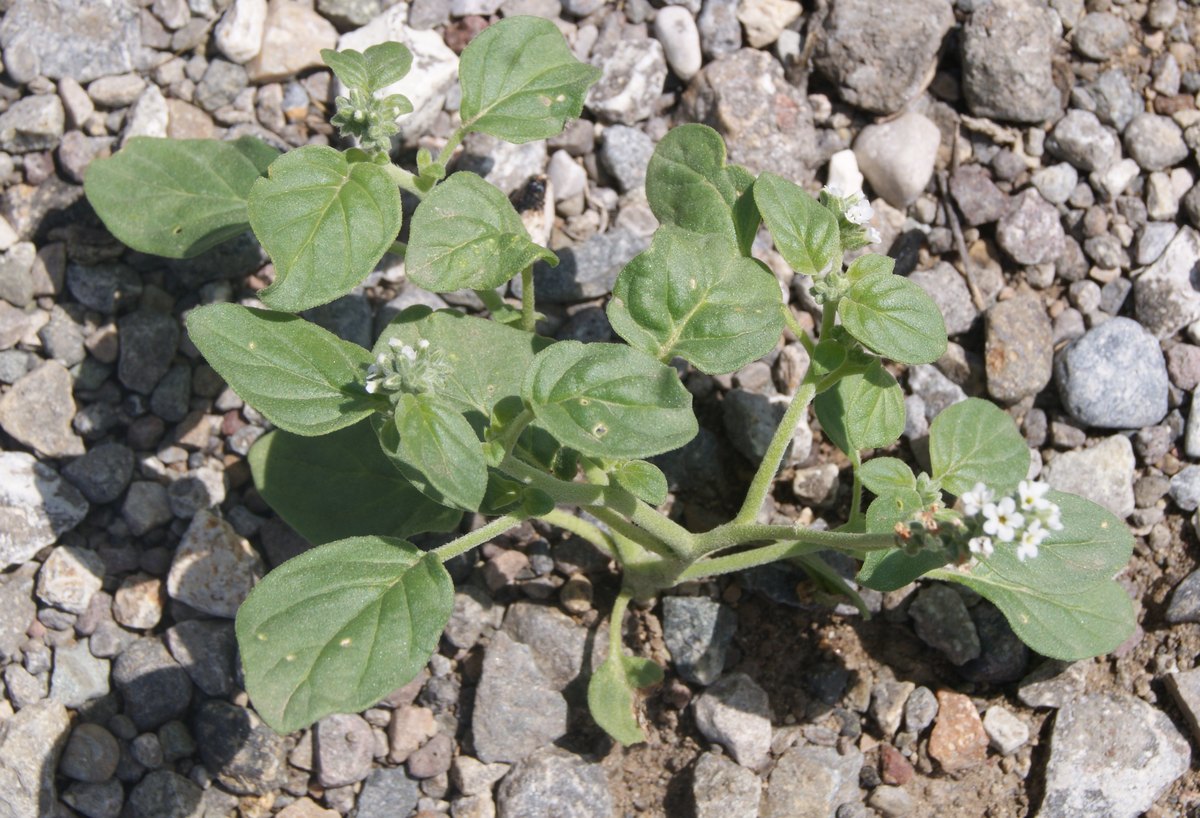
[801, 334]
[828, 318]
[583, 529]
[578, 494]
[731, 534]
[398, 248]
[742, 560]
[492, 300]
[404, 179]
[626, 529]
[615, 619]
[765, 475]
[479, 536]
[453, 142]
[856, 513]
[528, 314]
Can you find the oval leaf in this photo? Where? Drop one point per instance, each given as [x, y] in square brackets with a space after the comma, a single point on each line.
[688, 183]
[694, 297]
[872, 264]
[887, 475]
[439, 452]
[611, 695]
[341, 484]
[176, 197]
[325, 222]
[386, 63]
[466, 234]
[973, 442]
[805, 234]
[302, 378]
[337, 628]
[894, 317]
[609, 400]
[520, 81]
[862, 411]
[643, 480]
[349, 66]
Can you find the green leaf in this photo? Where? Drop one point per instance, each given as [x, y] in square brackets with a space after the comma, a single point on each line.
[341, 485]
[891, 569]
[302, 378]
[805, 234]
[862, 411]
[746, 220]
[872, 264]
[694, 297]
[349, 66]
[387, 63]
[643, 480]
[973, 442]
[439, 452]
[689, 185]
[609, 400]
[520, 81]
[894, 317]
[466, 234]
[887, 475]
[176, 197]
[611, 695]
[337, 628]
[325, 222]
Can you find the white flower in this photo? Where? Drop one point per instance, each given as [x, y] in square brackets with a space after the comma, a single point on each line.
[1051, 517]
[860, 212]
[1031, 538]
[423, 343]
[1001, 520]
[981, 545]
[1033, 495]
[873, 236]
[975, 499]
[834, 191]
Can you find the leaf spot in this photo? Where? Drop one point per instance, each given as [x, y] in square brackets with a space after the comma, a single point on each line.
[584, 401]
[599, 430]
[262, 637]
[692, 283]
[345, 642]
[252, 345]
[291, 657]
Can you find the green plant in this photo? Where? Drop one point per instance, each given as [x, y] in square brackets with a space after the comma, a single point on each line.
[451, 413]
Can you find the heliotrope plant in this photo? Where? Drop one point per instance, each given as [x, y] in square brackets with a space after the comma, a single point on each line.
[452, 413]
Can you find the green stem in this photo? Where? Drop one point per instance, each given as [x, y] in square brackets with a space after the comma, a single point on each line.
[800, 332]
[732, 534]
[578, 494]
[583, 529]
[492, 300]
[622, 527]
[763, 555]
[828, 318]
[856, 513]
[765, 476]
[398, 248]
[404, 179]
[467, 541]
[453, 142]
[616, 618]
[528, 315]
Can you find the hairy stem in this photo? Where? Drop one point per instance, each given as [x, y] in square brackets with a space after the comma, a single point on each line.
[577, 494]
[763, 555]
[479, 536]
[453, 142]
[733, 534]
[528, 314]
[404, 179]
[765, 476]
[583, 529]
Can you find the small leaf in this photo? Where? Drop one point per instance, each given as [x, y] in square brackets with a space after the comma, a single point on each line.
[439, 452]
[976, 442]
[520, 81]
[466, 234]
[176, 197]
[887, 475]
[694, 297]
[386, 63]
[349, 66]
[325, 222]
[643, 480]
[689, 185]
[862, 411]
[608, 400]
[746, 220]
[872, 264]
[805, 234]
[611, 695]
[341, 484]
[337, 628]
[302, 378]
[894, 317]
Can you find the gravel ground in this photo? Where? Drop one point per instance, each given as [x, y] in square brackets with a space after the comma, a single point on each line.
[1031, 165]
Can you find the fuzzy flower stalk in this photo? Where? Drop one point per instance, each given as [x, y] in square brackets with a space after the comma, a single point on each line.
[407, 369]
[854, 215]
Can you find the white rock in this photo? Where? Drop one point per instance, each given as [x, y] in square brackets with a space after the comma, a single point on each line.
[69, 578]
[631, 82]
[1165, 299]
[148, 116]
[734, 713]
[77, 105]
[844, 173]
[1112, 181]
[676, 29]
[214, 567]
[566, 175]
[239, 35]
[1006, 733]
[897, 157]
[292, 41]
[8, 236]
[765, 20]
[36, 506]
[1162, 202]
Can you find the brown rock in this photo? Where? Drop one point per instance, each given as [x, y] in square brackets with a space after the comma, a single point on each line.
[410, 728]
[957, 741]
[294, 37]
[1019, 349]
[894, 768]
[306, 808]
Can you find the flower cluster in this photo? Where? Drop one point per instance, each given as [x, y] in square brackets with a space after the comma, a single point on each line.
[855, 209]
[372, 119]
[1026, 519]
[404, 368]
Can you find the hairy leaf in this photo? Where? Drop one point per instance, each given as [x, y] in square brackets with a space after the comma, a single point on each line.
[805, 234]
[439, 451]
[887, 475]
[977, 442]
[894, 317]
[611, 695]
[643, 480]
[689, 185]
[862, 411]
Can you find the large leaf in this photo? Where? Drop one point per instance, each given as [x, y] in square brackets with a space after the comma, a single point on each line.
[689, 185]
[466, 234]
[325, 222]
[520, 81]
[862, 411]
[805, 234]
[609, 400]
[337, 628]
[976, 442]
[302, 378]
[439, 451]
[894, 317]
[695, 297]
[176, 197]
[612, 691]
[341, 485]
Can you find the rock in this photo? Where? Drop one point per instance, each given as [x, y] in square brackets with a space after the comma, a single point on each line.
[945, 285]
[38, 411]
[936, 391]
[734, 713]
[207, 650]
[30, 745]
[1019, 349]
[566, 176]
[164, 794]
[881, 62]
[32, 124]
[1006, 732]
[148, 116]
[1155, 142]
[96, 800]
[201, 489]
[306, 808]
[1100, 36]
[69, 577]
[958, 740]
[1003, 656]
[148, 343]
[239, 35]
[103, 473]
[1053, 684]
[386, 793]
[888, 700]
[473, 777]
[1154, 240]
[146, 507]
[293, 37]
[942, 622]
[1185, 689]
[1165, 298]
[897, 157]
[16, 274]
[516, 709]
[698, 632]
[1185, 600]
[507, 166]
[214, 567]
[1114, 377]
[554, 784]
[891, 802]
[1030, 232]
[1056, 182]
[154, 687]
[722, 789]
[244, 754]
[625, 153]
[343, 749]
[1080, 139]
[810, 782]
[91, 754]
[433, 759]
[409, 728]
[17, 610]
[750, 421]
[1111, 754]
[1007, 50]
[764, 20]
[103, 287]
[630, 83]
[919, 710]
[1115, 100]
[766, 121]
[977, 196]
[675, 29]
[1102, 473]
[1185, 488]
[79, 677]
[720, 31]
[220, 85]
[82, 39]
[138, 603]
[557, 642]
[587, 270]
[36, 506]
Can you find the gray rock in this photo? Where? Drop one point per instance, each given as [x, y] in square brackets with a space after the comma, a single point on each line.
[557, 642]
[146, 507]
[69, 578]
[919, 710]
[1006, 732]
[1082, 140]
[811, 782]
[1116, 101]
[631, 81]
[507, 166]
[1111, 754]
[387, 792]
[1102, 473]
[881, 62]
[888, 702]
[32, 124]
[1185, 488]
[517, 711]
[1166, 296]
[343, 749]
[897, 157]
[348, 317]
[941, 621]
[945, 285]
[1185, 600]
[214, 567]
[734, 713]
[1153, 240]
[30, 745]
[698, 632]
[170, 400]
[1003, 656]
[675, 28]
[239, 35]
[722, 789]
[347, 14]
[25, 689]
[164, 794]
[62, 338]
[79, 677]
[103, 287]
[936, 391]
[1155, 142]
[554, 784]
[588, 270]
[625, 153]
[1185, 689]
[102, 474]
[17, 610]
[16, 275]
[154, 687]
[1100, 36]
[36, 506]
[1031, 232]
[890, 801]
[977, 196]
[473, 610]
[245, 755]
[91, 754]
[198, 490]
[1114, 377]
[38, 411]
[1019, 349]
[720, 30]
[148, 116]
[1007, 50]
[103, 800]
[751, 419]
[207, 650]
[148, 343]
[82, 39]
[1056, 182]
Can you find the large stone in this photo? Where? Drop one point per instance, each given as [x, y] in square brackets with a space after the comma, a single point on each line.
[587, 270]
[630, 83]
[722, 789]
[36, 506]
[214, 567]
[1102, 473]
[897, 157]
[557, 642]
[1166, 295]
[958, 740]
[239, 35]
[734, 713]
[17, 610]
[81, 39]
[1019, 350]
[1082, 140]
[698, 632]
[30, 744]
[246, 756]
[554, 784]
[1007, 52]
[153, 685]
[79, 677]
[516, 709]
[32, 124]
[69, 578]
[207, 650]
[387, 792]
[38, 411]
[148, 343]
[811, 782]
[293, 37]
[1031, 232]
[165, 794]
[1114, 377]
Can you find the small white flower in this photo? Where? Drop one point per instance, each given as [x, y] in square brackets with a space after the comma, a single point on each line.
[1001, 520]
[981, 545]
[873, 236]
[408, 352]
[423, 343]
[395, 343]
[834, 191]
[1051, 517]
[975, 499]
[372, 386]
[1033, 495]
[860, 212]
